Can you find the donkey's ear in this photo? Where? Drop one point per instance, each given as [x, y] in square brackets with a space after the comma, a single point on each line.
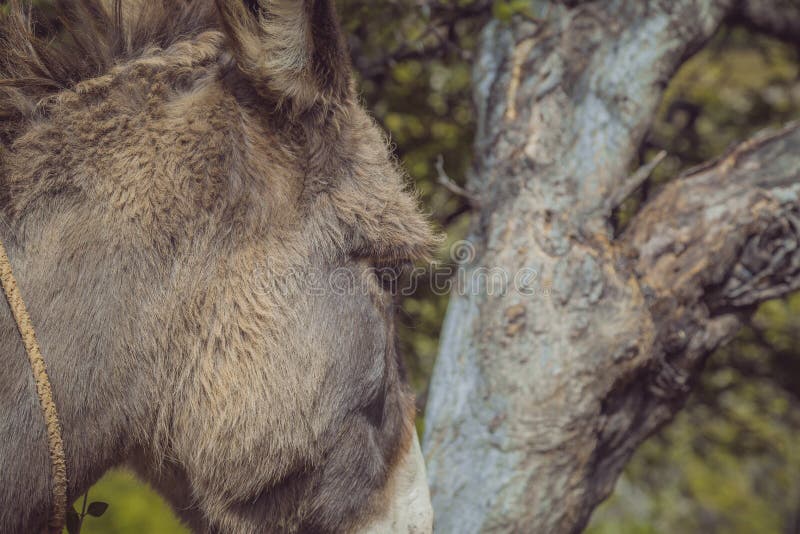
[291, 50]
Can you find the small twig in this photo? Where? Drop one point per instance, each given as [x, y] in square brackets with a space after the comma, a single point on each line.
[444, 180]
[530, 17]
[83, 509]
[633, 182]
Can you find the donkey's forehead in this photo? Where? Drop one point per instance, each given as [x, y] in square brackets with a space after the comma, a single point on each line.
[256, 162]
[189, 57]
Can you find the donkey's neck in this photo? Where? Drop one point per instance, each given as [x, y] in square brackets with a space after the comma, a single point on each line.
[24, 463]
[75, 316]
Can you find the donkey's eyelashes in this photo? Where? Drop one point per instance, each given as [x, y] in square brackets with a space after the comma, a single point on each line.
[389, 273]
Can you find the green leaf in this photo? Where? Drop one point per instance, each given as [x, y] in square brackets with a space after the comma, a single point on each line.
[73, 522]
[505, 9]
[97, 509]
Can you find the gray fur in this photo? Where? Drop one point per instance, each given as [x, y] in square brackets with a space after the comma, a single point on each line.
[165, 219]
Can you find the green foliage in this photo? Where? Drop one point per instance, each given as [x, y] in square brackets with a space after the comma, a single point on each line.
[75, 518]
[134, 509]
[505, 9]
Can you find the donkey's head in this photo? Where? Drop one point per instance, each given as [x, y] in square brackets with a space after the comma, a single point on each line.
[195, 226]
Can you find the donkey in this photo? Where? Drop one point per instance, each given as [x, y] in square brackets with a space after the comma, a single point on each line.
[178, 179]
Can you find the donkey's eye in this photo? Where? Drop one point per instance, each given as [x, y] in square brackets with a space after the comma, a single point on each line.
[389, 273]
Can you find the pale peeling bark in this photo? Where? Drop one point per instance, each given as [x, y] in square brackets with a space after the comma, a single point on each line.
[541, 393]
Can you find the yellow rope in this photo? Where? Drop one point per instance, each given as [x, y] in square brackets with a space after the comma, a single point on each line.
[55, 442]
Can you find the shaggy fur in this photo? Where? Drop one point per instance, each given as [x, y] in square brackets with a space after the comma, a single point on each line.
[176, 181]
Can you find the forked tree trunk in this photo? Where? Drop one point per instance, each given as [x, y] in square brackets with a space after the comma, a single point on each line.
[542, 392]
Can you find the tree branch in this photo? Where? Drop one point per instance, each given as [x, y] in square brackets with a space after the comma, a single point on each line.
[542, 393]
[727, 232]
[717, 242]
[708, 248]
[445, 181]
[634, 181]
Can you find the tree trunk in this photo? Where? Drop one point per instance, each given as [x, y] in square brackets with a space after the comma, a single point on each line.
[565, 346]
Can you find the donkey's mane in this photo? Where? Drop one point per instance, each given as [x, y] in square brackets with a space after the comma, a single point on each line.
[41, 56]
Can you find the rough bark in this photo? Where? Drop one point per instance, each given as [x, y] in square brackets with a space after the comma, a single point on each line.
[542, 392]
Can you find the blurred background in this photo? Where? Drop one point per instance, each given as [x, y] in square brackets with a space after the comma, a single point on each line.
[729, 463]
